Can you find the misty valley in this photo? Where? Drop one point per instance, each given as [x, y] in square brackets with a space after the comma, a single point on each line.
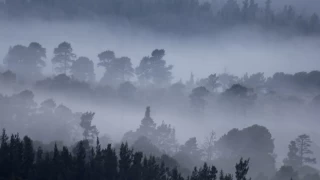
[159, 90]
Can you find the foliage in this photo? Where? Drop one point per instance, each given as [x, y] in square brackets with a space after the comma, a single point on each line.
[83, 69]
[90, 132]
[154, 69]
[29, 162]
[167, 14]
[63, 57]
[162, 136]
[26, 61]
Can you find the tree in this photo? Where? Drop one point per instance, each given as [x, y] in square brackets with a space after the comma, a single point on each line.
[125, 161]
[154, 69]
[303, 143]
[162, 136]
[146, 146]
[111, 165]
[27, 157]
[122, 68]
[19, 162]
[147, 126]
[166, 138]
[83, 69]
[286, 172]
[4, 154]
[80, 164]
[27, 62]
[208, 146]
[191, 149]
[242, 169]
[256, 80]
[90, 132]
[127, 90]
[117, 70]
[254, 142]
[293, 158]
[63, 57]
[239, 97]
[197, 97]
[106, 58]
[190, 83]
[136, 168]
[211, 83]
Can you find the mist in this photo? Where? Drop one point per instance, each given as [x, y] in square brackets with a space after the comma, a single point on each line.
[240, 85]
[238, 50]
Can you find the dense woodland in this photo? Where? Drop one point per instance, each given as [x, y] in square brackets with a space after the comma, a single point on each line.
[183, 16]
[67, 144]
[49, 139]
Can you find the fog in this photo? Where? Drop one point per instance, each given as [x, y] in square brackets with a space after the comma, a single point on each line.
[238, 50]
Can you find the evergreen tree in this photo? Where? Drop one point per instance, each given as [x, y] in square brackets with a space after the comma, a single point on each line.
[147, 126]
[242, 169]
[154, 69]
[26, 61]
[90, 132]
[63, 57]
[27, 158]
[125, 162]
[83, 69]
[197, 97]
[110, 163]
[303, 143]
[80, 163]
[191, 149]
[4, 156]
[136, 168]
[293, 158]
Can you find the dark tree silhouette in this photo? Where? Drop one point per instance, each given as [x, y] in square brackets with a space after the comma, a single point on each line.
[63, 57]
[242, 169]
[303, 143]
[208, 146]
[293, 159]
[154, 69]
[197, 97]
[191, 149]
[83, 69]
[117, 70]
[27, 62]
[90, 132]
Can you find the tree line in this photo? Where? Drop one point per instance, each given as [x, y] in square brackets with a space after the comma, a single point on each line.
[19, 159]
[28, 62]
[163, 15]
[160, 158]
[151, 80]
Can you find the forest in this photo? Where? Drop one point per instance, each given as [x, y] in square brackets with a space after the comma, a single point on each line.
[59, 143]
[97, 89]
[180, 16]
